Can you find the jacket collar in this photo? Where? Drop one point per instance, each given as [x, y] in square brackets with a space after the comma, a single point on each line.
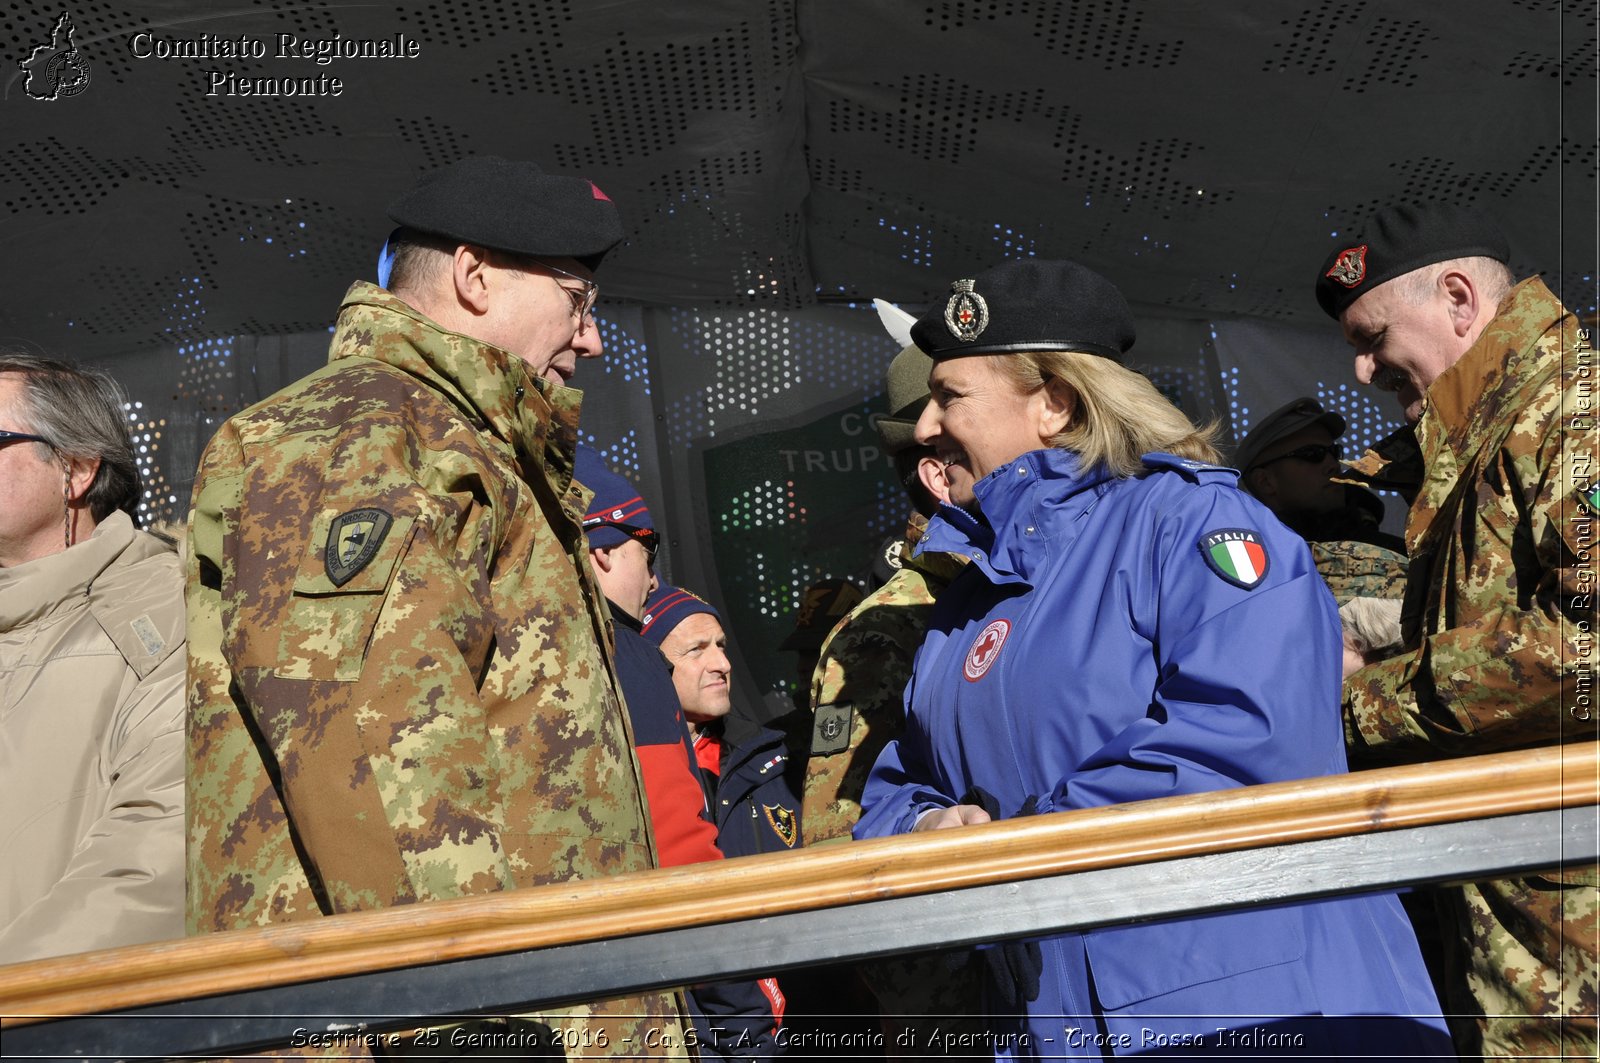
[33, 590]
[1466, 414]
[622, 619]
[1008, 535]
[1480, 385]
[932, 564]
[534, 421]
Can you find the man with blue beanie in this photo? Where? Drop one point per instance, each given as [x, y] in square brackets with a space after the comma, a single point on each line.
[733, 1020]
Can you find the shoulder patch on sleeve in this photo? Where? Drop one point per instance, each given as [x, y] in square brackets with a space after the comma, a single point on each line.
[353, 540]
[1237, 555]
[1590, 496]
[830, 729]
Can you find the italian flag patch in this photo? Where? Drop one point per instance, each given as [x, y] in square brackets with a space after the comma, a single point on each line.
[1235, 554]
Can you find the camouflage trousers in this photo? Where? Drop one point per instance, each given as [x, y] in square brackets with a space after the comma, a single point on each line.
[1522, 968]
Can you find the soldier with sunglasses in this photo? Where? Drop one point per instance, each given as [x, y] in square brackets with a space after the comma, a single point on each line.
[1290, 462]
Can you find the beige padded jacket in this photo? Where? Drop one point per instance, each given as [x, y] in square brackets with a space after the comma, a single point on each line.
[91, 746]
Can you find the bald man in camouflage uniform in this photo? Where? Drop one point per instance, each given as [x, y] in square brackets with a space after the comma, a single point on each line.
[858, 692]
[1500, 591]
[400, 682]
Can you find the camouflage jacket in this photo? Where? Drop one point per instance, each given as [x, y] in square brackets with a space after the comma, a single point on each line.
[442, 720]
[399, 663]
[1498, 610]
[1354, 569]
[860, 681]
[1496, 593]
[858, 694]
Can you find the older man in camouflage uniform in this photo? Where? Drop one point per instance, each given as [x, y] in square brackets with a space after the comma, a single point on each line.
[858, 693]
[1500, 595]
[400, 683]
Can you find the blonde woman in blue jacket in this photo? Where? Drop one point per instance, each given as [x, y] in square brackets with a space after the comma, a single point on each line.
[1131, 626]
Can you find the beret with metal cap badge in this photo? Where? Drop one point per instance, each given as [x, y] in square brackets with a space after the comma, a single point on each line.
[513, 206]
[1028, 304]
[1397, 240]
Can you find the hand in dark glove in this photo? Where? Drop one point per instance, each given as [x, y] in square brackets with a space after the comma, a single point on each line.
[1014, 969]
[990, 804]
[983, 799]
[1014, 966]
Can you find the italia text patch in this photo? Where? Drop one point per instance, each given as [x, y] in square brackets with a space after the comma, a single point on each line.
[1235, 554]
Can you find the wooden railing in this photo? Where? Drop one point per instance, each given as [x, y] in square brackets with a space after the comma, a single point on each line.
[1520, 811]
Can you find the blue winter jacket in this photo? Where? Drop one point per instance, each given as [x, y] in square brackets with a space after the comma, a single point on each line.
[1117, 639]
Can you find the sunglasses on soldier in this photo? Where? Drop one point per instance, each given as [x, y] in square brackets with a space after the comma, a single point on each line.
[1311, 453]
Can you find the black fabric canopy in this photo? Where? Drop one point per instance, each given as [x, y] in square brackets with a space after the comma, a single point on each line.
[185, 197]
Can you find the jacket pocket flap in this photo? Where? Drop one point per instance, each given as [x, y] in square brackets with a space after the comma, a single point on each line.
[1134, 963]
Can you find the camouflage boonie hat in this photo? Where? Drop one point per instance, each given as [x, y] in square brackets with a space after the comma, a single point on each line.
[908, 394]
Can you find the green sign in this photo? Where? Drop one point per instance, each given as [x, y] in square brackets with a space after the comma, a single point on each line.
[789, 506]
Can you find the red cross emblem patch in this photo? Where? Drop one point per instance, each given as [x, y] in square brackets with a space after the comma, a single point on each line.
[966, 314]
[985, 648]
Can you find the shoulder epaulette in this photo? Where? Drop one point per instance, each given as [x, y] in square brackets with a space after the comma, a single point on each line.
[1197, 471]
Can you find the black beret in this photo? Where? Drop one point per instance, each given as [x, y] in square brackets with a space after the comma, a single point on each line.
[513, 206]
[1282, 423]
[1397, 240]
[1028, 304]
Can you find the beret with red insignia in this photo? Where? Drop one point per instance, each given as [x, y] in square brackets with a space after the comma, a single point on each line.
[1397, 240]
[1028, 304]
[514, 206]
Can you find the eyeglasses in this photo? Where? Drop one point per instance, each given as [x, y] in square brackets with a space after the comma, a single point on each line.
[582, 301]
[646, 537]
[22, 437]
[1311, 453]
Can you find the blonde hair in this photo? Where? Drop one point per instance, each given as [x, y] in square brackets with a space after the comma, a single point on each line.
[1117, 415]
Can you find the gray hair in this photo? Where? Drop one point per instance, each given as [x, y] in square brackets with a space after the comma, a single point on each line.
[1372, 626]
[81, 412]
[421, 260]
[1493, 278]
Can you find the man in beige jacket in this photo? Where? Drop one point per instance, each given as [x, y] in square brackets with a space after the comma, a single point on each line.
[91, 676]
